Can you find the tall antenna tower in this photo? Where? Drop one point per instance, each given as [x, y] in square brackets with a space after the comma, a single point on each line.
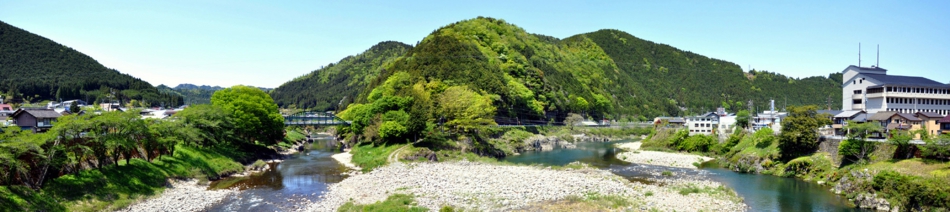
[878, 63]
[859, 54]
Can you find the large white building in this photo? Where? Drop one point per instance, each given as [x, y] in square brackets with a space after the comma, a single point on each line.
[870, 89]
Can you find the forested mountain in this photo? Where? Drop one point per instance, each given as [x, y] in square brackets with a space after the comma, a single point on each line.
[341, 82]
[534, 78]
[677, 79]
[192, 94]
[33, 68]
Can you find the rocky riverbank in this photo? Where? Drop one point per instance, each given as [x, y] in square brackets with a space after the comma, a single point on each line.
[680, 160]
[182, 195]
[489, 187]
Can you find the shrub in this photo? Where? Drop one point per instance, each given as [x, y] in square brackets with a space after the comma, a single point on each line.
[912, 191]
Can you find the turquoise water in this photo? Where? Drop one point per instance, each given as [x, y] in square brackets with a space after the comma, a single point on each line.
[760, 192]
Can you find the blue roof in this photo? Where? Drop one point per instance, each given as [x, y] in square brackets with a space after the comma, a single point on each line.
[906, 81]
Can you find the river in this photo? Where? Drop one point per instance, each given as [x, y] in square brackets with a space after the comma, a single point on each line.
[760, 192]
[287, 185]
[301, 179]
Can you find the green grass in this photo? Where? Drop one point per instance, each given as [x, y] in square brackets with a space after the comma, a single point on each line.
[115, 187]
[393, 203]
[370, 156]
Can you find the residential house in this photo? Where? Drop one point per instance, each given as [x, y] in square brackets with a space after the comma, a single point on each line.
[840, 120]
[945, 125]
[36, 120]
[727, 124]
[892, 121]
[929, 121]
[6, 110]
[770, 119]
[669, 122]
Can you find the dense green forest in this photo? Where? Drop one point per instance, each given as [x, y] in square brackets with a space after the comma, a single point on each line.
[328, 87]
[536, 79]
[677, 80]
[34, 68]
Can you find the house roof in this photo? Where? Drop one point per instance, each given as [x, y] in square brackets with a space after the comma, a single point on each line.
[861, 117]
[905, 81]
[6, 106]
[849, 113]
[928, 114]
[882, 115]
[945, 120]
[38, 113]
[875, 68]
[677, 120]
[908, 116]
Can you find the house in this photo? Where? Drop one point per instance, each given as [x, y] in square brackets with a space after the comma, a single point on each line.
[37, 120]
[670, 122]
[945, 125]
[6, 110]
[872, 90]
[770, 119]
[840, 120]
[727, 124]
[892, 121]
[929, 121]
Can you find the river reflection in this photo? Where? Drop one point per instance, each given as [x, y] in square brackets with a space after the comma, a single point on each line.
[285, 186]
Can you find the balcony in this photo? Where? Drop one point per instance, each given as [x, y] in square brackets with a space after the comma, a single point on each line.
[857, 107]
[857, 96]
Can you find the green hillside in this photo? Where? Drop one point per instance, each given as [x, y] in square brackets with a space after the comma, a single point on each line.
[33, 68]
[532, 79]
[678, 79]
[326, 88]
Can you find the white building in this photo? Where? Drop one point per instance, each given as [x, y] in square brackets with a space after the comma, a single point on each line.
[726, 125]
[870, 89]
[702, 125]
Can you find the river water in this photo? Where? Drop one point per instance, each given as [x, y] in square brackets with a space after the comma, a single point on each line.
[760, 192]
[303, 177]
[288, 185]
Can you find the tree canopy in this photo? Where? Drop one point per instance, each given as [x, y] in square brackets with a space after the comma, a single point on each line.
[253, 113]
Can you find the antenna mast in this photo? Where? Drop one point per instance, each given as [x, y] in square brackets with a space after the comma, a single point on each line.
[878, 56]
[859, 54]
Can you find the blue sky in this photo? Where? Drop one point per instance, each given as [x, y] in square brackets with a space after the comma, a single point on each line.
[267, 43]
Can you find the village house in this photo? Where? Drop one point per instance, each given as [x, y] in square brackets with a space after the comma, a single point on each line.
[36, 120]
[930, 121]
[840, 120]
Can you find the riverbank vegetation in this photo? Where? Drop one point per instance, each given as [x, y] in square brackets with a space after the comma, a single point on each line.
[107, 161]
[856, 167]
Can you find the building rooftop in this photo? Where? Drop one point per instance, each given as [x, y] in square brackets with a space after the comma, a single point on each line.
[909, 116]
[39, 113]
[905, 81]
[929, 114]
[882, 115]
[848, 113]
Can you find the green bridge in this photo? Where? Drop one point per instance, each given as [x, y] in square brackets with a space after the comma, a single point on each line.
[313, 119]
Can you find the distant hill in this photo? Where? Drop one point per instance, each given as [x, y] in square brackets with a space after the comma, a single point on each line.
[34, 68]
[195, 94]
[341, 82]
[535, 78]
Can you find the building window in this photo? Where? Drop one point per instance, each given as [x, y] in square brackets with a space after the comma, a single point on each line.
[856, 101]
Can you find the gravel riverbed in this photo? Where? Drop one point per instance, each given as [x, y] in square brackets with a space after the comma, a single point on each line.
[679, 160]
[490, 187]
[182, 195]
